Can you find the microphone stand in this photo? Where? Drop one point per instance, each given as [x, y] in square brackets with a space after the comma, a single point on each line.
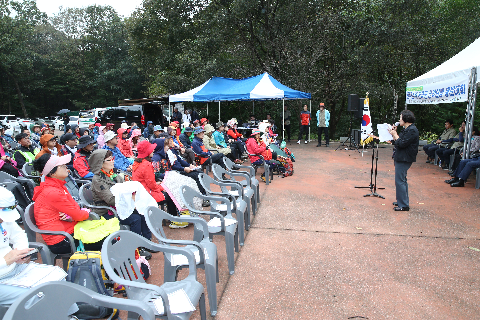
[373, 186]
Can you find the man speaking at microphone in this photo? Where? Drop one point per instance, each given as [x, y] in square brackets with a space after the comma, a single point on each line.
[406, 149]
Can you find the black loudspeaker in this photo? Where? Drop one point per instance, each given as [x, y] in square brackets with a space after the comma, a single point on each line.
[356, 135]
[359, 113]
[353, 103]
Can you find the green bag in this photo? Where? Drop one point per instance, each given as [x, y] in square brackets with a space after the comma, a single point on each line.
[91, 231]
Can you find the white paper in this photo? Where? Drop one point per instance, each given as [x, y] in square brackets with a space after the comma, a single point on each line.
[383, 132]
[233, 193]
[181, 260]
[179, 303]
[216, 222]
[35, 274]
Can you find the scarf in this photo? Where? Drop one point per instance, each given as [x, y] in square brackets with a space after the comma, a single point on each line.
[112, 175]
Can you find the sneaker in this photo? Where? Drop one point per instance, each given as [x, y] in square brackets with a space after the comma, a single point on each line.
[178, 225]
[206, 203]
[118, 288]
[306, 141]
[298, 142]
[185, 213]
[263, 177]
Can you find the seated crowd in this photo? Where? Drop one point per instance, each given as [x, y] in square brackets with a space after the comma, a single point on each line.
[448, 149]
[157, 159]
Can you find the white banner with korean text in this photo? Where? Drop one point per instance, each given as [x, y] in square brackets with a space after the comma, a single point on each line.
[454, 90]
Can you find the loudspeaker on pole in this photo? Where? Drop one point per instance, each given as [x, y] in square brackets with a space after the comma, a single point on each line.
[353, 103]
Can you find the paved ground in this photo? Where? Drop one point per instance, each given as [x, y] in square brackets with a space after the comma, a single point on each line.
[318, 249]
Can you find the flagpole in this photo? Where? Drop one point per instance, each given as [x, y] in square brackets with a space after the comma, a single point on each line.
[283, 112]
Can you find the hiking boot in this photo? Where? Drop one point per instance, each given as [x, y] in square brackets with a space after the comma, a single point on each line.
[178, 225]
[206, 203]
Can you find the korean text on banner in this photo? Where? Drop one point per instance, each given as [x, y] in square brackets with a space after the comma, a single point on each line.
[453, 90]
[366, 120]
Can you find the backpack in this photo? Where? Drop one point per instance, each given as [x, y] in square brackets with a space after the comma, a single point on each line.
[287, 165]
[289, 153]
[86, 269]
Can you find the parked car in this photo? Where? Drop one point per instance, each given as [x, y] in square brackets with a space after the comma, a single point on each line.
[9, 121]
[85, 120]
[140, 114]
[26, 123]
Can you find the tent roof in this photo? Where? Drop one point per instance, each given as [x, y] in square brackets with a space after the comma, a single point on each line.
[261, 87]
[459, 65]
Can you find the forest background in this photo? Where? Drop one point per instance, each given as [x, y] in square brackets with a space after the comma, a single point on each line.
[83, 58]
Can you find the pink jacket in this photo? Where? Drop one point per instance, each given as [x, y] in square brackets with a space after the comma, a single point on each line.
[255, 148]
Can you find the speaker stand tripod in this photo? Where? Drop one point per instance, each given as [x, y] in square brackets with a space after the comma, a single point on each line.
[373, 185]
[350, 138]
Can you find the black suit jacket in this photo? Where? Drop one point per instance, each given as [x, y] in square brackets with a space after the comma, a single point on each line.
[407, 145]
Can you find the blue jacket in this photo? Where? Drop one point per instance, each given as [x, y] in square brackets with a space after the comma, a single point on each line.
[121, 162]
[146, 132]
[327, 118]
[159, 154]
[220, 139]
[197, 145]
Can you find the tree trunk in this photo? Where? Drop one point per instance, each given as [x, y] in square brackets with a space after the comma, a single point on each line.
[19, 92]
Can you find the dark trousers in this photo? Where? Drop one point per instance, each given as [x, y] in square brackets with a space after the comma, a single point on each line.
[401, 185]
[287, 129]
[321, 130]
[444, 155]
[189, 155]
[171, 208]
[237, 149]
[465, 167]
[216, 158]
[303, 129]
[138, 224]
[430, 149]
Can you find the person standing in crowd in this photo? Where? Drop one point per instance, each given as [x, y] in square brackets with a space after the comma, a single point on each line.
[186, 118]
[406, 149]
[323, 119]
[286, 121]
[66, 120]
[85, 146]
[69, 142]
[50, 145]
[177, 115]
[121, 162]
[305, 118]
[448, 133]
[26, 152]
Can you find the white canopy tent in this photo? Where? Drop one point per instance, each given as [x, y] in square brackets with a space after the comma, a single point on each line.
[455, 80]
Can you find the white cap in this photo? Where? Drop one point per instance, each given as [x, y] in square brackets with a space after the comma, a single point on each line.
[109, 135]
[7, 199]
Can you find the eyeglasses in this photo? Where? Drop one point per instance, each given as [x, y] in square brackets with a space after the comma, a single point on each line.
[11, 207]
[110, 159]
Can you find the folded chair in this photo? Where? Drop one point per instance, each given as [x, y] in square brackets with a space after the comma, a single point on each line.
[218, 225]
[118, 257]
[45, 304]
[230, 176]
[206, 259]
[239, 206]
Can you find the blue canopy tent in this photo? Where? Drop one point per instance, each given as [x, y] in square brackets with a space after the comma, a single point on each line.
[261, 87]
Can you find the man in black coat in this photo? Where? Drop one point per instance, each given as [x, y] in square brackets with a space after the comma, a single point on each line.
[177, 116]
[406, 149]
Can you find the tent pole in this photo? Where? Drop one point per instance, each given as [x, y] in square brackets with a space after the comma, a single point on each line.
[470, 113]
[218, 110]
[253, 112]
[310, 121]
[283, 116]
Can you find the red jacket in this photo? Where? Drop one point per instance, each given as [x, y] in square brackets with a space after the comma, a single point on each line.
[305, 118]
[51, 198]
[255, 148]
[143, 173]
[80, 163]
[124, 145]
[234, 133]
